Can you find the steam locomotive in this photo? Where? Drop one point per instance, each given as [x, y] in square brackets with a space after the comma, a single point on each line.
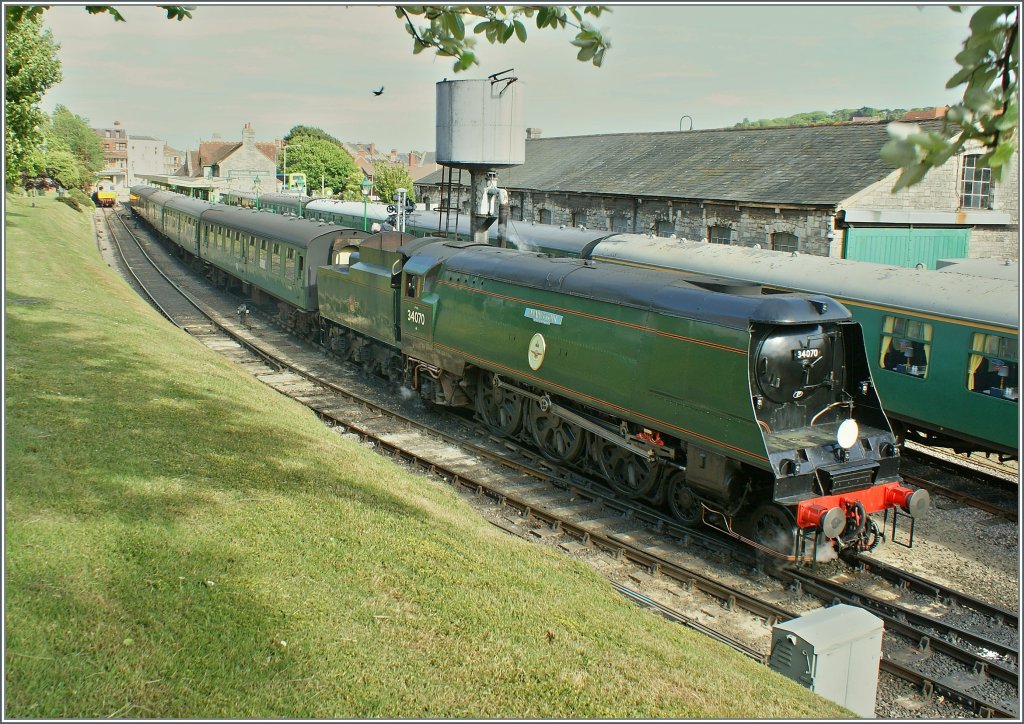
[754, 414]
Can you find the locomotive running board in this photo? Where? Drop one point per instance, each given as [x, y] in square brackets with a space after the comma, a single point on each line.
[546, 405]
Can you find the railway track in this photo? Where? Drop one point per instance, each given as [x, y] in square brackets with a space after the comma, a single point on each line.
[556, 502]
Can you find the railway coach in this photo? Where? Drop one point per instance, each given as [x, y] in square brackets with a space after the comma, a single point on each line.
[276, 259]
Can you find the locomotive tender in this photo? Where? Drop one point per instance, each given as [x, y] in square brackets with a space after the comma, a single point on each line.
[756, 414]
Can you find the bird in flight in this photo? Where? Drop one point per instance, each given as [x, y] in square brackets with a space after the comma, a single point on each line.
[378, 92]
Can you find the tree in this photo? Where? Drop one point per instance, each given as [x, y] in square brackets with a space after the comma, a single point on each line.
[60, 164]
[77, 136]
[318, 157]
[32, 68]
[989, 66]
[446, 33]
[388, 177]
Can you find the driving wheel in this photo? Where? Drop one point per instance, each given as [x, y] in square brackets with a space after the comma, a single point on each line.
[630, 474]
[500, 409]
[558, 440]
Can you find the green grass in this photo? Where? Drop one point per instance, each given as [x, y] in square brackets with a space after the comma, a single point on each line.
[183, 542]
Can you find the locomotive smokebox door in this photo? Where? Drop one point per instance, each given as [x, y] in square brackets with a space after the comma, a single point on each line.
[834, 652]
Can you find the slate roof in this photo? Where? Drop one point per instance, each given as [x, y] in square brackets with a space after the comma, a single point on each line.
[806, 165]
[213, 152]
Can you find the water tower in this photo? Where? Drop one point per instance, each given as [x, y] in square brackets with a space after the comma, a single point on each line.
[480, 129]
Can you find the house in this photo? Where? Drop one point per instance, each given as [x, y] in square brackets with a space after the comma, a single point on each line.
[417, 163]
[814, 189]
[115, 154]
[242, 161]
[145, 157]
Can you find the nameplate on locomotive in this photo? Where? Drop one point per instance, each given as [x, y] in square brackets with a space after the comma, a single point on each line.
[543, 317]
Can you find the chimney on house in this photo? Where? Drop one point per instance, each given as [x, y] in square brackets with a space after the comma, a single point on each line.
[373, 152]
[248, 135]
[117, 123]
[394, 155]
[532, 133]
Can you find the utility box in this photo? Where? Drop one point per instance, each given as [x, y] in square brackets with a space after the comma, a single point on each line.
[834, 652]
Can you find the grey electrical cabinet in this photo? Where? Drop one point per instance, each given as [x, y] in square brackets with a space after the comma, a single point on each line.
[834, 652]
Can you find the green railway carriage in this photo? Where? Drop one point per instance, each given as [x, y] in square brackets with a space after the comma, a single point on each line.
[281, 256]
[283, 204]
[148, 202]
[943, 347]
[180, 221]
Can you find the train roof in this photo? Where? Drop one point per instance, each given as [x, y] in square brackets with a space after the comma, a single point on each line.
[299, 232]
[663, 292]
[189, 205]
[988, 268]
[157, 194]
[957, 296]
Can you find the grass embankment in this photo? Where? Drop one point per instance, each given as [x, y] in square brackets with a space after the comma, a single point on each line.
[183, 542]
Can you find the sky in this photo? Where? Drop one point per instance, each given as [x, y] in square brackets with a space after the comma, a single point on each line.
[277, 66]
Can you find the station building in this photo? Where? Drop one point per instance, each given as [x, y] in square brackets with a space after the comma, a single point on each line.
[821, 190]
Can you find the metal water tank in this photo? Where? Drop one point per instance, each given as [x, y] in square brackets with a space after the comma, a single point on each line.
[480, 122]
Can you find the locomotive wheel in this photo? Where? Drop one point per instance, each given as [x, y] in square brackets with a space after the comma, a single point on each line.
[774, 527]
[630, 474]
[681, 500]
[557, 439]
[500, 409]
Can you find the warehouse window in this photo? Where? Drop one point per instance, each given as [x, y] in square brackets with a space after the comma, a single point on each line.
[975, 185]
[782, 241]
[620, 223]
[544, 216]
[719, 235]
[665, 228]
[578, 218]
[992, 366]
[906, 346]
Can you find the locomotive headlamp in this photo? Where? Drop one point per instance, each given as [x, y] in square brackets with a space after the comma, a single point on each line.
[847, 434]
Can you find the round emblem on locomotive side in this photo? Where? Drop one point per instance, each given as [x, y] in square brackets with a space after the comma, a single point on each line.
[536, 354]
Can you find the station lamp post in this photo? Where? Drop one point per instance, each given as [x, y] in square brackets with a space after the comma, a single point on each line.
[365, 186]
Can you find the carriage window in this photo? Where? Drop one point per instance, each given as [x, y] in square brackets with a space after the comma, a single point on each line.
[412, 286]
[992, 366]
[289, 263]
[252, 250]
[906, 346]
[275, 259]
[300, 265]
[263, 254]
